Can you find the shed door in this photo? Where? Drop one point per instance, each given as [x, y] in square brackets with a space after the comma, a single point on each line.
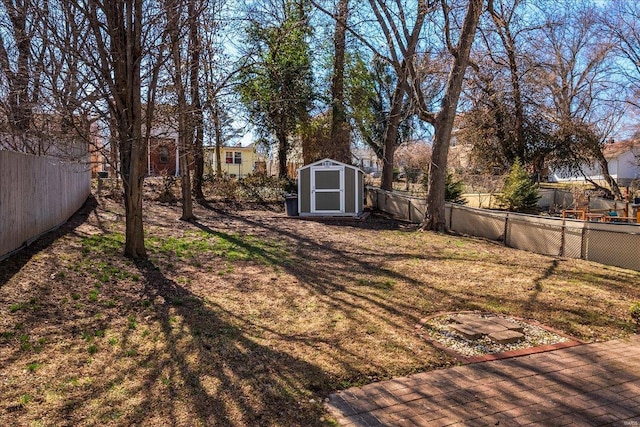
[327, 190]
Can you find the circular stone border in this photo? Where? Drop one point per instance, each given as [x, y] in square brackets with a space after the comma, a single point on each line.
[514, 350]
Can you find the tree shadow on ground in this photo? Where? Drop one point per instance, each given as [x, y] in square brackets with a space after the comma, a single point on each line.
[230, 378]
[345, 282]
[366, 270]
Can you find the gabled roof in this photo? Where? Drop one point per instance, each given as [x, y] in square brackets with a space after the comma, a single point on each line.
[334, 163]
[615, 149]
[250, 147]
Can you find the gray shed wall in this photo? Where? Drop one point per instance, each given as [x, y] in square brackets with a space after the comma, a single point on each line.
[349, 190]
[361, 188]
[305, 190]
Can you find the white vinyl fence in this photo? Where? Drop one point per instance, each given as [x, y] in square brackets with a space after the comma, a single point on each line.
[37, 194]
[606, 243]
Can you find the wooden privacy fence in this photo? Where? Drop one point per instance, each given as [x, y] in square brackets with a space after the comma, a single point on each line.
[610, 244]
[37, 194]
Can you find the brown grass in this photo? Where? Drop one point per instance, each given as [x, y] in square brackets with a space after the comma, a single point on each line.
[248, 317]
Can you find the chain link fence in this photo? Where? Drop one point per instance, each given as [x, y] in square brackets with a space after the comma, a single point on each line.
[615, 244]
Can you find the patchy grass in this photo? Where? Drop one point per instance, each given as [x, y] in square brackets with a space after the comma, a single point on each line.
[247, 317]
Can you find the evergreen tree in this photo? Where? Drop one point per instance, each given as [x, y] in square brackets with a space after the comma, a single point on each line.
[452, 191]
[519, 193]
[277, 88]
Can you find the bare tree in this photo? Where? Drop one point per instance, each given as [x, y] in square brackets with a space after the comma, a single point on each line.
[181, 55]
[577, 71]
[21, 61]
[502, 17]
[122, 37]
[498, 124]
[622, 21]
[442, 120]
[401, 37]
[401, 30]
[197, 117]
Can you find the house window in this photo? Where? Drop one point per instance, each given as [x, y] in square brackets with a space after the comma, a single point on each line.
[237, 158]
[228, 157]
[163, 154]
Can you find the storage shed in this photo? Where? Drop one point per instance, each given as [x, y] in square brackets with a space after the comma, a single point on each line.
[330, 188]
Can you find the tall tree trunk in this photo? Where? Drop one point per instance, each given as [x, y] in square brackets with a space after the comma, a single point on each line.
[185, 177]
[340, 141]
[114, 149]
[184, 126]
[125, 21]
[133, 158]
[197, 118]
[217, 127]
[391, 131]
[283, 151]
[403, 68]
[443, 121]
[509, 44]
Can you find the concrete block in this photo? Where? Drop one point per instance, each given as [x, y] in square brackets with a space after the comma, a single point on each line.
[506, 337]
[470, 334]
[509, 324]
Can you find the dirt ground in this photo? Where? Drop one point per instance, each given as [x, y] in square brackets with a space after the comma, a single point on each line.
[247, 317]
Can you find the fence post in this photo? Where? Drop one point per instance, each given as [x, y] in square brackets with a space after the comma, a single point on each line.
[583, 242]
[562, 237]
[506, 227]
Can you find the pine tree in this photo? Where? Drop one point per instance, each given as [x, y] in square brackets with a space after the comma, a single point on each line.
[519, 193]
[453, 190]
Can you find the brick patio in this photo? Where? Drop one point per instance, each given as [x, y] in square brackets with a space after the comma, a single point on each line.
[591, 385]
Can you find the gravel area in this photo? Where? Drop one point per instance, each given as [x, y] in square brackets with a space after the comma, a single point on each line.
[440, 330]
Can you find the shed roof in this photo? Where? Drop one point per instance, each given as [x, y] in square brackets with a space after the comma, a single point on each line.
[323, 162]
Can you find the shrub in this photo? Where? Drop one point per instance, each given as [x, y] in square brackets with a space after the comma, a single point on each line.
[252, 188]
[519, 193]
[635, 312]
[166, 193]
[224, 187]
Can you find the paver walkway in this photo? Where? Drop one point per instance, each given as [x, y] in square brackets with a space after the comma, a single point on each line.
[591, 385]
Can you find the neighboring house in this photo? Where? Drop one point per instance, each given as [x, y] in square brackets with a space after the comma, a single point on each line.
[365, 158]
[163, 156]
[237, 162]
[623, 159]
[163, 152]
[459, 156]
[52, 135]
[295, 159]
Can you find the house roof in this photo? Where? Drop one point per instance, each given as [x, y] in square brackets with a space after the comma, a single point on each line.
[615, 149]
[250, 147]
